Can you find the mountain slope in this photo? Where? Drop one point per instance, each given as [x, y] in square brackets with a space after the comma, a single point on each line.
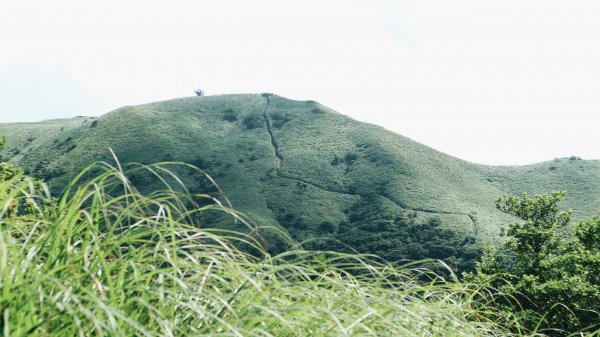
[310, 170]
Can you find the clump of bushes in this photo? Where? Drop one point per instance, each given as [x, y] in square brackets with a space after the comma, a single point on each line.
[328, 227]
[549, 270]
[230, 115]
[279, 120]
[253, 122]
[350, 158]
[397, 237]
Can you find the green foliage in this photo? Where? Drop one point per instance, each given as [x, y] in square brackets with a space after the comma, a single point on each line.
[336, 161]
[279, 119]
[116, 262]
[350, 158]
[23, 197]
[399, 237]
[328, 227]
[588, 233]
[537, 236]
[548, 274]
[253, 122]
[230, 115]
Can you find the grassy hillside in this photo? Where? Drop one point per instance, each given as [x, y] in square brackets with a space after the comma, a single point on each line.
[317, 174]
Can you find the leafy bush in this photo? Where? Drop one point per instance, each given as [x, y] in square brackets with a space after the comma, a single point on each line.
[230, 115]
[548, 270]
[279, 120]
[253, 122]
[350, 158]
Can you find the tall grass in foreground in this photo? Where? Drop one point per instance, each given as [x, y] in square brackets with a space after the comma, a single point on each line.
[128, 264]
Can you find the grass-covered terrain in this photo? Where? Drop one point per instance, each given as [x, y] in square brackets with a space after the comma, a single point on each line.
[314, 173]
[107, 260]
[158, 249]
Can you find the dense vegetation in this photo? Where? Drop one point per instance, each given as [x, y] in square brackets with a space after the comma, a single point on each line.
[308, 175]
[401, 236]
[107, 260]
[549, 269]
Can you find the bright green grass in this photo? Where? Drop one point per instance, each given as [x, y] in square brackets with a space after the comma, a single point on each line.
[112, 261]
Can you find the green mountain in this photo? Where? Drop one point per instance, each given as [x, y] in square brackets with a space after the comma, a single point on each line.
[317, 174]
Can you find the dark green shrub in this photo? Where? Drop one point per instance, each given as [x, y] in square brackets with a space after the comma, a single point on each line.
[350, 158]
[70, 148]
[373, 229]
[253, 122]
[328, 227]
[279, 120]
[230, 115]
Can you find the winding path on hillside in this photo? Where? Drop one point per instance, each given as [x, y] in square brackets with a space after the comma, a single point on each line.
[282, 174]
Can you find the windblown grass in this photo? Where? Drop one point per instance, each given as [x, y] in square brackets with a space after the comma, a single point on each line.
[107, 260]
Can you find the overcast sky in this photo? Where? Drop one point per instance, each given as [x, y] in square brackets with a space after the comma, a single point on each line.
[492, 82]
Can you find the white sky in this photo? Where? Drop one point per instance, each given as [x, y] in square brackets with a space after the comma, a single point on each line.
[493, 82]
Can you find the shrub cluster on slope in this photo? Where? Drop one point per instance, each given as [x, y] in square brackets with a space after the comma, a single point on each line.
[399, 236]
